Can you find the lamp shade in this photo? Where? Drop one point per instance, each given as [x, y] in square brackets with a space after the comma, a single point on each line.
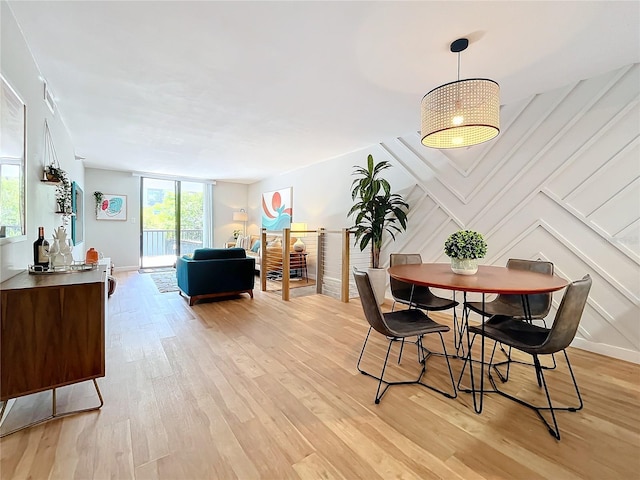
[240, 216]
[461, 113]
[299, 227]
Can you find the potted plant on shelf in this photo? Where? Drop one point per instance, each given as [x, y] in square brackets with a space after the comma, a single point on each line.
[53, 173]
[376, 211]
[63, 193]
[464, 247]
[98, 196]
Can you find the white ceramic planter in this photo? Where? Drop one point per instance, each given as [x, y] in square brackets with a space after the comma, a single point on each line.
[464, 266]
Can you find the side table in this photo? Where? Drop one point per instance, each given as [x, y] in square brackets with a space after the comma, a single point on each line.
[298, 263]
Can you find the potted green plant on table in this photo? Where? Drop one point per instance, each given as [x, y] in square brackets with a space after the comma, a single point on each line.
[376, 211]
[464, 247]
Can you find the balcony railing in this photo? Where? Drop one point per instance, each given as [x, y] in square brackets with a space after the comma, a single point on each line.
[163, 242]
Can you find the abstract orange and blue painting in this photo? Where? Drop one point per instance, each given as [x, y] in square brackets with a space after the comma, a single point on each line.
[277, 209]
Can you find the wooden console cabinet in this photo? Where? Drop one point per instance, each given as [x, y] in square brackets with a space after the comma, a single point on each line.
[52, 331]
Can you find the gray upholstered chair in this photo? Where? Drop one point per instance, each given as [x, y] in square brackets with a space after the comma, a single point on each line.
[537, 341]
[398, 325]
[512, 305]
[415, 295]
[418, 296]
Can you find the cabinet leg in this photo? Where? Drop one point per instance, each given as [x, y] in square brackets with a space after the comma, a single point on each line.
[54, 413]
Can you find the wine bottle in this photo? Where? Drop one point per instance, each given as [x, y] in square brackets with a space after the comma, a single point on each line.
[41, 250]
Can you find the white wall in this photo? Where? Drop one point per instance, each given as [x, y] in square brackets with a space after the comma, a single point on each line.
[116, 239]
[561, 182]
[227, 198]
[120, 240]
[20, 70]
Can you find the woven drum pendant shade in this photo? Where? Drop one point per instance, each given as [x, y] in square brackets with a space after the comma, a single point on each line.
[461, 113]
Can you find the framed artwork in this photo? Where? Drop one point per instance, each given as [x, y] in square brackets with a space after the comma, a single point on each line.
[277, 209]
[113, 207]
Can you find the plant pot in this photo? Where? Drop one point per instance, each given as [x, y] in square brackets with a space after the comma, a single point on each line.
[464, 266]
[378, 277]
[48, 177]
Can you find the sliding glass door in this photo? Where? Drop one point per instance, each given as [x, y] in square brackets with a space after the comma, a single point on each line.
[191, 216]
[172, 219]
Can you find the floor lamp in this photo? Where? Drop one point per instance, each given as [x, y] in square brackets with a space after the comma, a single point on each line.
[241, 216]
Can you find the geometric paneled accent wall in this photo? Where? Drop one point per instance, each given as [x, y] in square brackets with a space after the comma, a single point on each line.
[561, 182]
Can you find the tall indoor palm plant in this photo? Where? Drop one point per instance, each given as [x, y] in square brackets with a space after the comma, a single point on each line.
[377, 209]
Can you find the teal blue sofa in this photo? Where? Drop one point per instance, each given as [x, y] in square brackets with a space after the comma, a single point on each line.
[215, 272]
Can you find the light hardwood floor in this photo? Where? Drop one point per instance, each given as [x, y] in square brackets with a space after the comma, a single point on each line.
[268, 389]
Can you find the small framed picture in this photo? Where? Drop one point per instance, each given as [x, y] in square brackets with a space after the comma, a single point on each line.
[113, 207]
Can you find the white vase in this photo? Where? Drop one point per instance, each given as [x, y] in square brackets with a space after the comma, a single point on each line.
[464, 266]
[378, 278]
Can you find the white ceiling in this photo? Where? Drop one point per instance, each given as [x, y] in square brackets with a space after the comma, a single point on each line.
[240, 91]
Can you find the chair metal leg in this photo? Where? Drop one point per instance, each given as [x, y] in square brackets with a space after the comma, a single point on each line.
[554, 430]
[453, 384]
[362, 351]
[505, 377]
[400, 354]
[384, 366]
[422, 360]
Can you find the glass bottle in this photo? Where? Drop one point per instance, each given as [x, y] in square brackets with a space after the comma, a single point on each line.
[41, 250]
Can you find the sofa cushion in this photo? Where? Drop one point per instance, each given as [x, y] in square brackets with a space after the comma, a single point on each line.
[217, 253]
[256, 246]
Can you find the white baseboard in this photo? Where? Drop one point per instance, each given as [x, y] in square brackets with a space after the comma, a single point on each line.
[126, 269]
[608, 350]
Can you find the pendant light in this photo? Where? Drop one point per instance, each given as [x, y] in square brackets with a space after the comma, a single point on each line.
[461, 113]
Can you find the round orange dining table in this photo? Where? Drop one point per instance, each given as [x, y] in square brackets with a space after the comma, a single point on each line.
[488, 279]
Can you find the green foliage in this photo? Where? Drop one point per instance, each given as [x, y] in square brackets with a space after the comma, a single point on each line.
[63, 189]
[98, 196]
[465, 244]
[376, 209]
[162, 216]
[10, 213]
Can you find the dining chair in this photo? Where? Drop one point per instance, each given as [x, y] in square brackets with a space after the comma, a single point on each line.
[398, 325]
[418, 296]
[536, 341]
[415, 295]
[514, 306]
